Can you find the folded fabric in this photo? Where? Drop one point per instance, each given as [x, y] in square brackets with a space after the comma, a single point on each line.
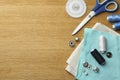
[74, 58]
[109, 71]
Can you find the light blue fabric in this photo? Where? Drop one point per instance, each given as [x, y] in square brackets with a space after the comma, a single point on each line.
[109, 71]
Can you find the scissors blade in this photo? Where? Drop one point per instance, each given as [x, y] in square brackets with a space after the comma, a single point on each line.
[90, 15]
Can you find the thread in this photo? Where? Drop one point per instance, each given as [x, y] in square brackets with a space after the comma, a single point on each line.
[116, 26]
[114, 18]
[102, 44]
[98, 57]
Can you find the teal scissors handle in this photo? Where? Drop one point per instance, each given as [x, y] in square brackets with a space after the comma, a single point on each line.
[102, 7]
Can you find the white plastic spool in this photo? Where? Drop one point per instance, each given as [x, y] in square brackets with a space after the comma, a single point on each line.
[76, 8]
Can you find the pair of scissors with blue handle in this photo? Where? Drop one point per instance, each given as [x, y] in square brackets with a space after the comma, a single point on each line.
[102, 7]
[99, 8]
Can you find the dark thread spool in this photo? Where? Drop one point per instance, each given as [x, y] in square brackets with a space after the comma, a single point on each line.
[98, 57]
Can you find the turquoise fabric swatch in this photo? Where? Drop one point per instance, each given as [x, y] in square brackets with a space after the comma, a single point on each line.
[109, 71]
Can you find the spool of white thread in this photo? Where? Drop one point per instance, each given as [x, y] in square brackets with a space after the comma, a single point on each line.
[102, 44]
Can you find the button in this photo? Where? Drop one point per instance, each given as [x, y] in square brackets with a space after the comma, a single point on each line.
[86, 73]
[89, 66]
[85, 64]
[96, 69]
[109, 54]
[71, 43]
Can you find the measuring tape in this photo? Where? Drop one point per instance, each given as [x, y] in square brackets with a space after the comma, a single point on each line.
[76, 8]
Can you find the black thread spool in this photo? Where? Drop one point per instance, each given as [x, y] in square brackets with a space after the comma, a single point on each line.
[98, 57]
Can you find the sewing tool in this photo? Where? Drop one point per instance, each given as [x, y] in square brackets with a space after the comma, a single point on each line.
[116, 26]
[71, 43]
[76, 8]
[102, 44]
[99, 8]
[98, 57]
[85, 64]
[109, 54]
[114, 18]
[76, 39]
[96, 69]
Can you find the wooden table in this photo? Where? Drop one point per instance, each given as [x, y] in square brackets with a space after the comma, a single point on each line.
[34, 36]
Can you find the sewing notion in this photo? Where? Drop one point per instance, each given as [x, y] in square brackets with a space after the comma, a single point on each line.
[98, 57]
[96, 69]
[114, 18]
[102, 44]
[76, 8]
[116, 26]
[76, 39]
[99, 8]
[72, 42]
[109, 54]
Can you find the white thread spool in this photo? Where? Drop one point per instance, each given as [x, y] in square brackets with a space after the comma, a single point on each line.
[102, 44]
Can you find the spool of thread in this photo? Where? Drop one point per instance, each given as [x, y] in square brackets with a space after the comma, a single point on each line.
[102, 44]
[116, 26]
[114, 18]
[98, 57]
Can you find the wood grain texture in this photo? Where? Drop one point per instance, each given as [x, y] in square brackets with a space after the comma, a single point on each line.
[34, 37]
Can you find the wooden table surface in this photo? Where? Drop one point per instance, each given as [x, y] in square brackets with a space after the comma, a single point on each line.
[34, 36]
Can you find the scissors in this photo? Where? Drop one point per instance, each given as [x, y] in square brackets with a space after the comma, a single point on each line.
[99, 8]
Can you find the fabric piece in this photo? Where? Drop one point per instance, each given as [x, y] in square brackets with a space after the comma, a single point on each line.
[109, 71]
[74, 58]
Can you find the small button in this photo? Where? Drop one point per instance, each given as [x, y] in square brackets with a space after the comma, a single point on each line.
[86, 73]
[89, 66]
[85, 64]
[109, 54]
[96, 69]
[71, 43]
